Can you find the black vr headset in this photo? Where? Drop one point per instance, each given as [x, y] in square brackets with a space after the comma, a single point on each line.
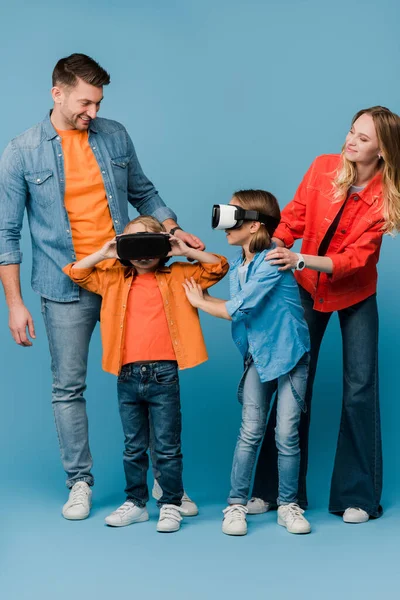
[135, 246]
[229, 216]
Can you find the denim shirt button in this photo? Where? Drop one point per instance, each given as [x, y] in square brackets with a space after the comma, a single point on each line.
[38, 180]
[110, 197]
[116, 221]
[67, 230]
[103, 172]
[94, 147]
[58, 138]
[60, 155]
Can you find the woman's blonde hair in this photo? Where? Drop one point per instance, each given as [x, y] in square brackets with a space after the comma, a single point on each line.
[387, 126]
[265, 203]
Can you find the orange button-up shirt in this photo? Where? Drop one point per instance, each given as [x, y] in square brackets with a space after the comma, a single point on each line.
[355, 246]
[114, 283]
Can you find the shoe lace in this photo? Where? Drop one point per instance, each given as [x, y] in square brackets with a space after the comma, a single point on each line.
[294, 511]
[124, 508]
[170, 511]
[78, 495]
[235, 513]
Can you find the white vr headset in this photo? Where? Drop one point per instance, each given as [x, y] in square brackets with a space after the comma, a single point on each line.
[229, 216]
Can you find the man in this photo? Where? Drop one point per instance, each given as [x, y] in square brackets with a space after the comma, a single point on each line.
[75, 174]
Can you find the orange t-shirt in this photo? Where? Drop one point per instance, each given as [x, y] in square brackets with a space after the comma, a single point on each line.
[85, 195]
[147, 335]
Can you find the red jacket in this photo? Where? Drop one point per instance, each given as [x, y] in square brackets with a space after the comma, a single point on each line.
[355, 246]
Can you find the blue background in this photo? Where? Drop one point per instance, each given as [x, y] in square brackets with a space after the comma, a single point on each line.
[217, 95]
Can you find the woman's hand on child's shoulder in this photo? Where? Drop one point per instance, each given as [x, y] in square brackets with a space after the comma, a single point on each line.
[283, 257]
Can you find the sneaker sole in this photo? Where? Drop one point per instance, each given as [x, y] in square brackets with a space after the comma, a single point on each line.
[257, 511]
[81, 518]
[76, 518]
[234, 534]
[167, 530]
[355, 522]
[190, 513]
[141, 519]
[283, 524]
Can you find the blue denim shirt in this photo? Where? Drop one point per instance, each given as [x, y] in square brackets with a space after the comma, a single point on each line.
[267, 317]
[32, 177]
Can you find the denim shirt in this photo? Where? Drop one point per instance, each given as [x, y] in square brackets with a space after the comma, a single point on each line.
[32, 177]
[267, 317]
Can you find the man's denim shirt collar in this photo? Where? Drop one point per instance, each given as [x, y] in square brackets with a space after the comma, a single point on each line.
[50, 130]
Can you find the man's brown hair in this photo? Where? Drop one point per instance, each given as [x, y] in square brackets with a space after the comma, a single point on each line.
[79, 66]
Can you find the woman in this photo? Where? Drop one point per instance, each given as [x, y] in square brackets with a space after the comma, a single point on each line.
[341, 210]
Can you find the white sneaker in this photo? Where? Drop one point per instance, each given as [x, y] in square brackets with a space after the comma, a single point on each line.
[79, 502]
[170, 518]
[188, 508]
[127, 514]
[355, 515]
[291, 517]
[234, 522]
[257, 506]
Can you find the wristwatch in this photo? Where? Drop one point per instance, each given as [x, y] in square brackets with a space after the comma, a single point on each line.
[300, 262]
[172, 231]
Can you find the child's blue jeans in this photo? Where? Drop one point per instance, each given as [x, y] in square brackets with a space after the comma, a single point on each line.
[256, 397]
[150, 391]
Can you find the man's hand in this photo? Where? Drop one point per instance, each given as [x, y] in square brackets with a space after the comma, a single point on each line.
[191, 240]
[19, 319]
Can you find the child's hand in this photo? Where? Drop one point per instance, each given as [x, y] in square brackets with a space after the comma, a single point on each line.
[109, 250]
[178, 247]
[194, 293]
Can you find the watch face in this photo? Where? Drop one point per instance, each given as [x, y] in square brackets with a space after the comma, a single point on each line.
[301, 264]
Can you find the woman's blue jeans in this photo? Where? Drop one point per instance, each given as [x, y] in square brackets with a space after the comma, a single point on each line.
[357, 474]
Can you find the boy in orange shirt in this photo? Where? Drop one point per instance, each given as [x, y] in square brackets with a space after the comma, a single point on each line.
[148, 330]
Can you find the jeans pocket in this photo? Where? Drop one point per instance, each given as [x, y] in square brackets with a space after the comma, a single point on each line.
[124, 374]
[166, 375]
[298, 378]
[251, 413]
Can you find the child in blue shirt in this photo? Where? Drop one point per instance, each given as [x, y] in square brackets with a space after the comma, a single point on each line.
[269, 330]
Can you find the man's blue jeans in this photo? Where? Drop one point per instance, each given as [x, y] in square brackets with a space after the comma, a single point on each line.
[150, 391]
[69, 327]
[357, 474]
[256, 397]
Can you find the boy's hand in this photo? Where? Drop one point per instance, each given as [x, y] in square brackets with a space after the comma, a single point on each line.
[178, 247]
[194, 293]
[109, 250]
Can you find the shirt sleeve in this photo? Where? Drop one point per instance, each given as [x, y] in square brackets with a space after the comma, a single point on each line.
[293, 216]
[13, 197]
[357, 255]
[91, 279]
[253, 292]
[141, 192]
[206, 274]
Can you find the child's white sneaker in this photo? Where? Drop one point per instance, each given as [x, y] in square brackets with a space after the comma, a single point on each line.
[291, 517]
[79, 502]
[188, 508]
[127, 514]
[257, 506]
[355, 515]
[170, 518]
[234, 522]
